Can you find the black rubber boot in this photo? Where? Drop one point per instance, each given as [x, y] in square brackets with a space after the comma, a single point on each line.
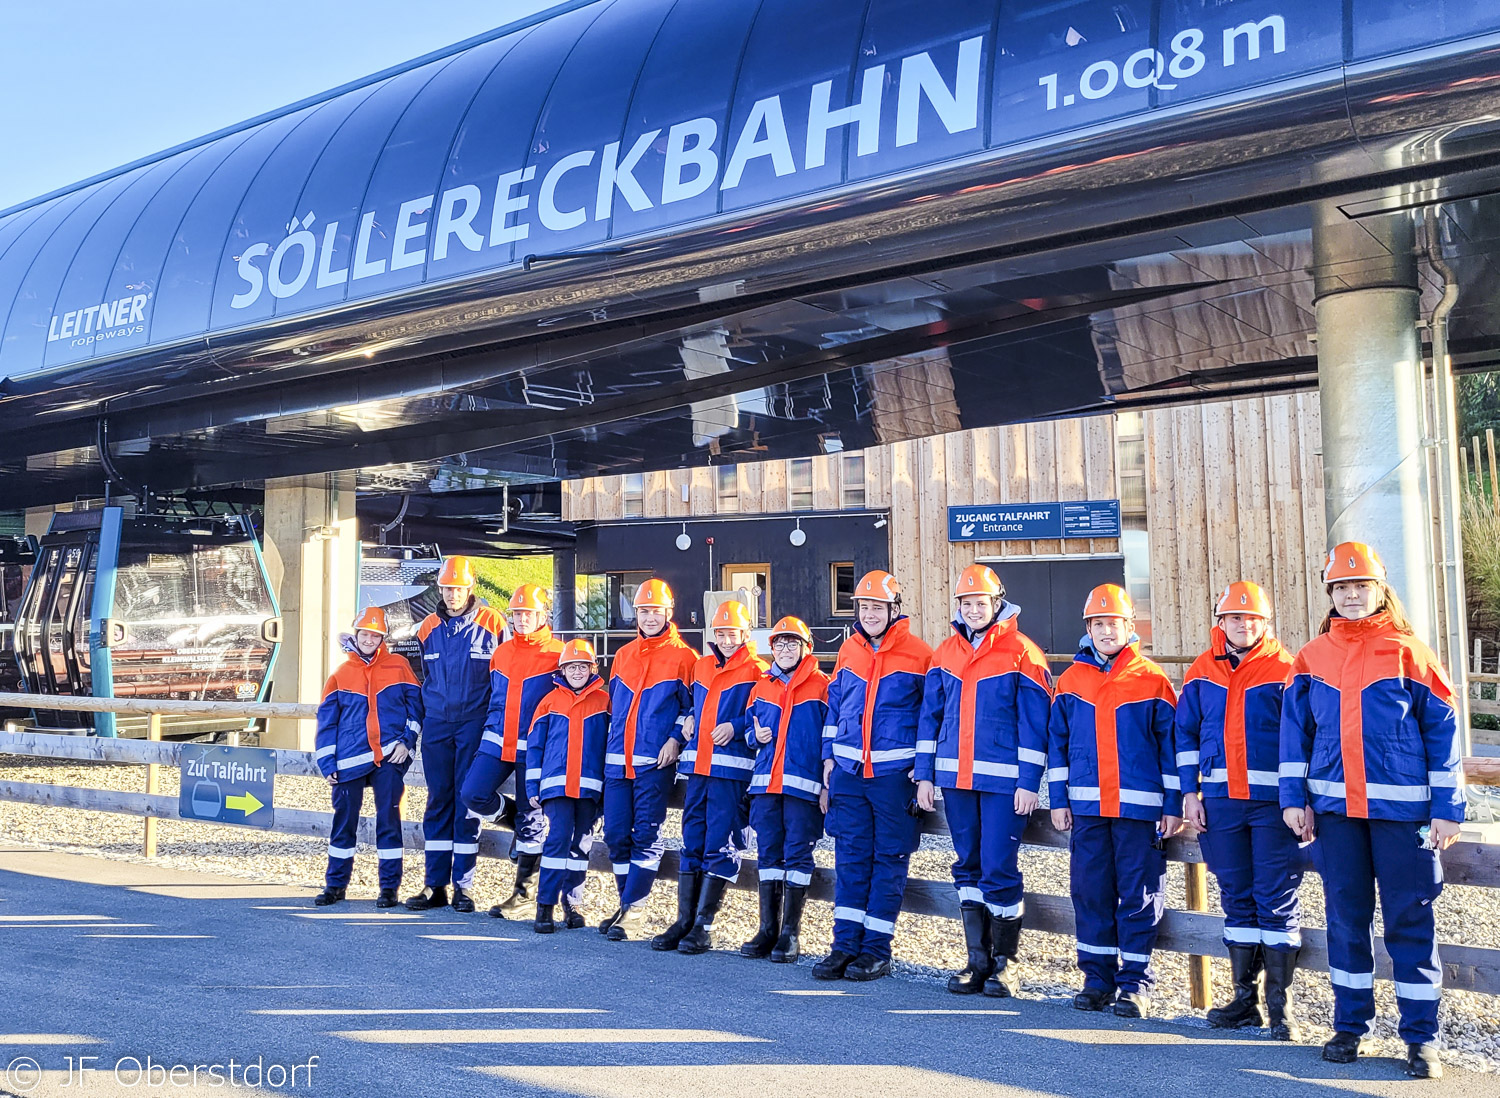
[462, 901]
[1133, 1004]
[1345, 1048]
[689, 885]
[329, 895]
[867, 967]
[521, 903]
[700, 938]
[1093, 999]
[543, 923]
[1422, 1062]
[1281, 1012]
[1245, 963]
[769, 932]
[428, 899]
[387, 898]
[977, 938]
[629, 927]
[833, 966]
[789, 946]
[608, 922]
[572, 918]
[1005, 981]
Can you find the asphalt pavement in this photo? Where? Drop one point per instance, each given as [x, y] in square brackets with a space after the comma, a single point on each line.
[127, 979]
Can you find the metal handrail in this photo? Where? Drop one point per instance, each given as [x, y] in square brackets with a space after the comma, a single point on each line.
[166, 707]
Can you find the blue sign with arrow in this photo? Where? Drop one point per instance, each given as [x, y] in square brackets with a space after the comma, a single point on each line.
[228, 785]
[1094, 518]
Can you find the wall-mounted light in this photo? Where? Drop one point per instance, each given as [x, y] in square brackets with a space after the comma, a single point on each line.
[880, 524]
[684, 542]
[798, 536]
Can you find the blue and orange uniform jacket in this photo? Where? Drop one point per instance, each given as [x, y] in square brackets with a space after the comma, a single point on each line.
[456, 655]
[984, 711]
[721, 694]
[650, 700]
[1229, 721]
[794, 706]
[1368, 727]
[1111, 747]
[368, 706]
[875, 701]
[565, 751]
[521, 675]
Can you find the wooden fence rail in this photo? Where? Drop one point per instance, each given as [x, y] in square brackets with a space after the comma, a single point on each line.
[1197, 933]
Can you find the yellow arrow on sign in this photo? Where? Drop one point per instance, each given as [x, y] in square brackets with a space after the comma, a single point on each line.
[247, 802]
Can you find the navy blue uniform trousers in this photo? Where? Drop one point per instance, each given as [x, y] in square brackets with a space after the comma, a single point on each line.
[1258, 864]
[874, 837]
[634, 811]
[1354, 856]
[714, 819]
[481, 793]
[786, 830]
[451, 835]
[565, 854]
[1118, 879]
[987, 847]
[387, 782]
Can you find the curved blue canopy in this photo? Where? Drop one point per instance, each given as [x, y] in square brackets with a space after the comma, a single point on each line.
[618, 121]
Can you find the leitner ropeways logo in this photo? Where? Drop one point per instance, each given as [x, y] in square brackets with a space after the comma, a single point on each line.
[108, 320]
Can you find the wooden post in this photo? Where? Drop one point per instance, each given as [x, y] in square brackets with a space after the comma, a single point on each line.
[1478, 466]
[153, 774]
[1200, 979]
[1463, 459]
[1489, 441]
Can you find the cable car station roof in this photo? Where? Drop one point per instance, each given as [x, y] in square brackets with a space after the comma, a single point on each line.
[658, 233]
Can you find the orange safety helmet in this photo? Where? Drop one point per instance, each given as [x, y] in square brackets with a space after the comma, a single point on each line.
[878, 586]
[529, 596]
[731, 614]
[372, 618]
[577, 651]
[1353, 560]
[457, 572]
[1244, 598]
[792, 627]
[654, 592]
[978, 579]
[1108, 600]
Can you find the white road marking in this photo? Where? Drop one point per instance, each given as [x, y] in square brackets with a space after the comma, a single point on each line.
[1012, 1013]
[146, 935]
[545, 1036]
[47, 1039]
[363, 916]
[465, 938]
[336, 1011]
[50, 918]
[816, 991]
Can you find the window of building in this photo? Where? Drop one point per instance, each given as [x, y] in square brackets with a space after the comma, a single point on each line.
[591, 601]
[800, 484]
[853, 477]
[841, 588]
[729, 488]
[634, 494]
[756, 579]
[620, 600]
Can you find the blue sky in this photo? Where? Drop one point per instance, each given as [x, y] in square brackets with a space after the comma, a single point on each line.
[86, 86]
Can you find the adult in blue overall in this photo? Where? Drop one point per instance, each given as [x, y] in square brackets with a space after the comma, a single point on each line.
[457, 643]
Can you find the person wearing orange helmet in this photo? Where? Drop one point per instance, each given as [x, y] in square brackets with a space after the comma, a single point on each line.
[718, 762]
[651, 714]
[1228, 747]
[1371, 765]
[522, 673]
[456, 641]
[565, 778]
[368, 724]
[869, 751]
[983, 740]
[1112, 781]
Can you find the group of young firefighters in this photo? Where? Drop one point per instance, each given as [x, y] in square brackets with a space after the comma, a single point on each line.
[1347, 753]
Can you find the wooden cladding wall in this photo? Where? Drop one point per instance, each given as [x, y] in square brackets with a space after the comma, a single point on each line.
[1234, 489]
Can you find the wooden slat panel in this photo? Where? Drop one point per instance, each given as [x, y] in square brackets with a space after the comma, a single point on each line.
[1015, 476]
[1041, 442]
[1190, 527]
[773, 476]
[1100, 480]
[677, 505]
[655, 491]
[825, 483]
[1071, 460]
[1223, 523]
[929, 608]
[1161, 509]
[610, 497]
[1284, 494]
[1314, 514]
[751, 476]
[704, 492]
[986, 481]
[878, 476]
[1252, 499]
[906, 556]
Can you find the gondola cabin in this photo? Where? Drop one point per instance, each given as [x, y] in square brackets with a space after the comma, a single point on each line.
[147, 607]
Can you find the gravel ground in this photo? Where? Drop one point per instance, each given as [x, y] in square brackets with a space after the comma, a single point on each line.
[926, 947]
